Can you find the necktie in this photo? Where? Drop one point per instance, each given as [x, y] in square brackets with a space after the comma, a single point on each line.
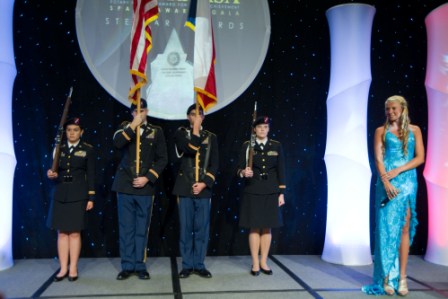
[261, 146]
[71, 149]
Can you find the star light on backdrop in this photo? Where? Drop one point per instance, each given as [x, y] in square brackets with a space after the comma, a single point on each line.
[436, 168]
[7, 156]
[347, 239]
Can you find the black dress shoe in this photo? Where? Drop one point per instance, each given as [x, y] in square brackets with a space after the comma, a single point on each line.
[204, 273]
[254, 273]
[185, 273]
[124, 275]
[73, 278]
[59, 278]
[267, 272]
[143, 274]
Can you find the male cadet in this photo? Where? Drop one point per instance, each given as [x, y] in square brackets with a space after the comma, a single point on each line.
[195, 147]
[135, 192]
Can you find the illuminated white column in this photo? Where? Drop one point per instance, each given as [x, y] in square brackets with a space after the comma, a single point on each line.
[436, 167]
[7, 156]
[347, 237]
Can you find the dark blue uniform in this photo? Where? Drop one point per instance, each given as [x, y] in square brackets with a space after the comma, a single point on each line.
[259, 207]
[194, 210]
[75, 185]
[135, 204]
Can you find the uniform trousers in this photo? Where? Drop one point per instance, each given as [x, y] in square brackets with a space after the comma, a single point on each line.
[194, 218]
[134, 216]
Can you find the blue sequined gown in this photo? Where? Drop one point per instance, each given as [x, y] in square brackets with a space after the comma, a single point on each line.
[391, 218]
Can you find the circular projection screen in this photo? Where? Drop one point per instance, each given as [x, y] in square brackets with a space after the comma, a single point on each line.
[242, 29]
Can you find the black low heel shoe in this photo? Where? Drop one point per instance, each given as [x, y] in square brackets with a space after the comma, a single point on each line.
[59, 278]
[254, 273]
[267, 272]
[72, 278]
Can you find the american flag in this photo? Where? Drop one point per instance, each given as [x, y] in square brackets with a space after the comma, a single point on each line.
[145, 12]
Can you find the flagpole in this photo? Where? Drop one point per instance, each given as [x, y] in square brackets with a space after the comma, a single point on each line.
[196, 172]
[137, 145]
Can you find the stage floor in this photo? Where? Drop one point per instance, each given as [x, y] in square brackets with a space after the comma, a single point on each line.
[295, 276]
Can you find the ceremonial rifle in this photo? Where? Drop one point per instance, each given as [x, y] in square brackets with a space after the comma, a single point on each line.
[250, 159]
[60, 132]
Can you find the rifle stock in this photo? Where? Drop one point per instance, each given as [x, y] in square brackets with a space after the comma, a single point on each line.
[60, 132]
[250, 158]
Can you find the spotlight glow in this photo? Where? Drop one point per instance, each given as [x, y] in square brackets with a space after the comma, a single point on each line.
[436, 167]
[347, 237]
[7, 156]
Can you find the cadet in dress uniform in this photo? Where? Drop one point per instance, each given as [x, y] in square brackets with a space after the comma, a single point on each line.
[135, 194]
[195, 146]
[263, 193]
[73, 195]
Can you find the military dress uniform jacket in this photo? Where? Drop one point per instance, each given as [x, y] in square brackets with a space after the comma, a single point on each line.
[268, 167]
[153, 158]
[191, 147]
[76, 174]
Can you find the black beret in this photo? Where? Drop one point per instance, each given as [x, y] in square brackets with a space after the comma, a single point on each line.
[261, 120]
[143, 105]
[73, 121]
[193, 107]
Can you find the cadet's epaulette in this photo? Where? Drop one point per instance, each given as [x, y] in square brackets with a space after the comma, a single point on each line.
[87, 144]
[124, 124]
[154, 127]
[246, 142]
[209, 133]
[274, 141]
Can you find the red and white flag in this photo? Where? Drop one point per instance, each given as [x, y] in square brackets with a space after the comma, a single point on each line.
[200, 21]
[145, 12]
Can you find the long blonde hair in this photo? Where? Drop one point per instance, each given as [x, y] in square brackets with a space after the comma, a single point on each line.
[403, 122]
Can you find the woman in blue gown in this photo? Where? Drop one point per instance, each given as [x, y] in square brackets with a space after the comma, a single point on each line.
[398, 148]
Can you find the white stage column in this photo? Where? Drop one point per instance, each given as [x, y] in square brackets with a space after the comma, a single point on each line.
[436, 167]
[347, 237]
[7, 156]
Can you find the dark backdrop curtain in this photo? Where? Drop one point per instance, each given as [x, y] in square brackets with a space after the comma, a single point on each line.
[291, 88]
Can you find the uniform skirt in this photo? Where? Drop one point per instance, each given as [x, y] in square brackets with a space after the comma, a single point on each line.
[260, 211]
[67, 216]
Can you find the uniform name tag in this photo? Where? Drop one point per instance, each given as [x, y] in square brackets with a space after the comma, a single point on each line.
[272, 153]
[80, 153]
